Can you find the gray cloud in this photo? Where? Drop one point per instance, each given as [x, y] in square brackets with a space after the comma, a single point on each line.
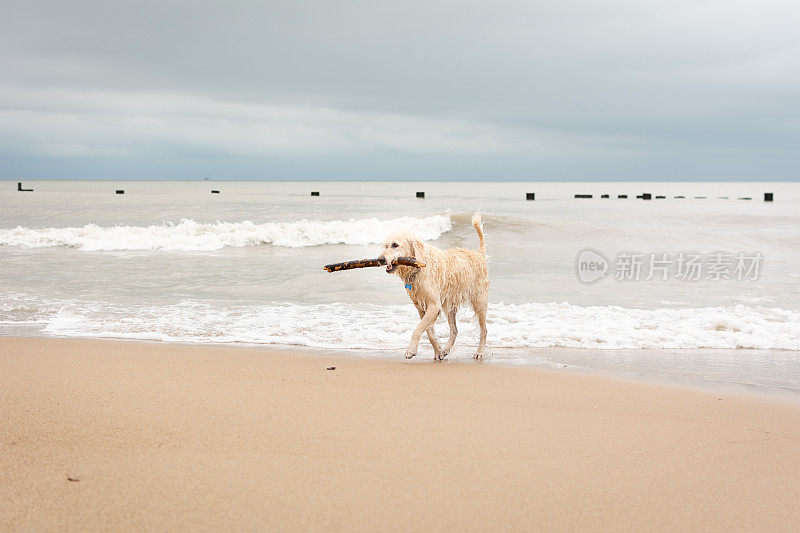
[552, 89]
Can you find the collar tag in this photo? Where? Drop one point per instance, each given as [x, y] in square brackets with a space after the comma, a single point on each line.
[408, 286]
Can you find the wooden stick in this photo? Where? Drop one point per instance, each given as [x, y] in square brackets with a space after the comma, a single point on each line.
[409, 262]
[347, 265]
[363, 263]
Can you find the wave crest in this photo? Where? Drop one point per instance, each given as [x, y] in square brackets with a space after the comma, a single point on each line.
[189, 235]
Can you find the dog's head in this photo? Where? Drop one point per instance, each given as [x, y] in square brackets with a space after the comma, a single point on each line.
[401, 244]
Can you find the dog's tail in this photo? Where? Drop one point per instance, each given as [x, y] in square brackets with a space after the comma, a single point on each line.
[477, 223]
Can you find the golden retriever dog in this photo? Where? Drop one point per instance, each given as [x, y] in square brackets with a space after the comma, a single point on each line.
[450, 278]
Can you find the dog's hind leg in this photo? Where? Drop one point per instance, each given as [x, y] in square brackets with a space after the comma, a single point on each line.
[428, 319]
[431, 331]
[480, 310]
[451, 321]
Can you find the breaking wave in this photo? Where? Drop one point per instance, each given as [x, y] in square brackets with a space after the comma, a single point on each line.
[189, 235]
[388, 327]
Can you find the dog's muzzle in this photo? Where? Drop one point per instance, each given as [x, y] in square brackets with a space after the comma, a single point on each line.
[390, 268]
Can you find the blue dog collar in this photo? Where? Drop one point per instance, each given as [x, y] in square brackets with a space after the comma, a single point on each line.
[408, 286]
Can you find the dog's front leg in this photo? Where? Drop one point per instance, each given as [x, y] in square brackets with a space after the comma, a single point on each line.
[431, 331]
[431, 312]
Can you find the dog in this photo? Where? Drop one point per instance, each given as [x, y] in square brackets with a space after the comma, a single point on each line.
[450, 278]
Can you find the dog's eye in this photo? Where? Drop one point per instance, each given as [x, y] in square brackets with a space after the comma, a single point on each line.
[395, 245]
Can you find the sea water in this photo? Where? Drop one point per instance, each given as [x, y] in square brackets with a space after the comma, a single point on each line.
[170, 261]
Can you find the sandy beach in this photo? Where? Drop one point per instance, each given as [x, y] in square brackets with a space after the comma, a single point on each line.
[124, 435]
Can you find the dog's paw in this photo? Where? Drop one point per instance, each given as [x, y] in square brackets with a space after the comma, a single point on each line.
[410, 354]
[445, 353]
[478, 355]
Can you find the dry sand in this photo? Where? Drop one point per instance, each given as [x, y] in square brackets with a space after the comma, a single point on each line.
[165, 436]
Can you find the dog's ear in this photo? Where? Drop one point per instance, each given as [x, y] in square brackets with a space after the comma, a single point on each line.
[416, 247]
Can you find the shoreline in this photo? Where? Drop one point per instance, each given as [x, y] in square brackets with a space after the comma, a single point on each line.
[171, 436]
[553, 359]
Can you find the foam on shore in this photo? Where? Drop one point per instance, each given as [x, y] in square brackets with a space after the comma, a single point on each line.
[379, 327]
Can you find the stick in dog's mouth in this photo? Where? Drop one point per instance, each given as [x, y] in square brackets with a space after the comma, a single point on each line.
[407, 261]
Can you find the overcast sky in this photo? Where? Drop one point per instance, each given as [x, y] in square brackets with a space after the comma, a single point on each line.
[547, 89]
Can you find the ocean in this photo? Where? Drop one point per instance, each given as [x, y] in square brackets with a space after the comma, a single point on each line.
[700, 283]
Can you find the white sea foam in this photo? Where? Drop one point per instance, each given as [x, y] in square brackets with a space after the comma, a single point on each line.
[386, 327]
[189, 235]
